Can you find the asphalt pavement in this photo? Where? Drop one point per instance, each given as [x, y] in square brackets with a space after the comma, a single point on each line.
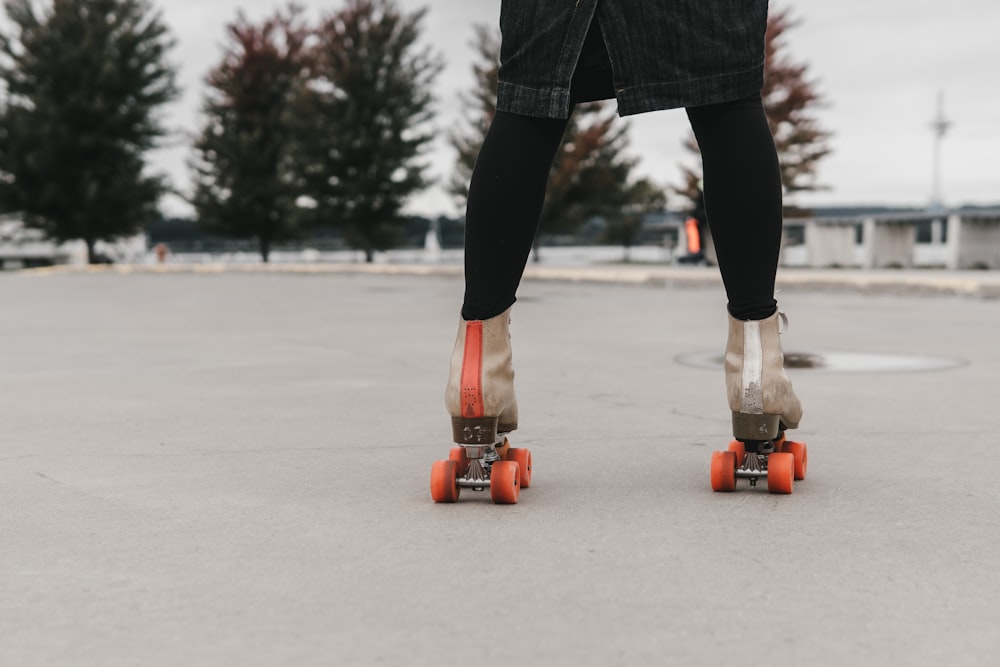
[229, 466]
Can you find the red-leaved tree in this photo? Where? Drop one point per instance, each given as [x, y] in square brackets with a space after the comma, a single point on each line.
[790, 99]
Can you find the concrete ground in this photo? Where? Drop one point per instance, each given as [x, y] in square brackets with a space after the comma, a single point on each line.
[232, 469]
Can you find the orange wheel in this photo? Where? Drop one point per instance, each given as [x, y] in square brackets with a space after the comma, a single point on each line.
[801, 454]
[723, 471]
[505, 482]
[523, 459]
[443, 486]
[780, 472]
[459, 456]
[780, 443]
[738, 448]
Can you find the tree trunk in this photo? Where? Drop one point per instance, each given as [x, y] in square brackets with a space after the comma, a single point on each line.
[369, 255]
[265, 249]
[91, 257]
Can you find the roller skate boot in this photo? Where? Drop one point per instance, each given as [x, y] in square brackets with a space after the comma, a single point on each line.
[763, 405]
[480, 398]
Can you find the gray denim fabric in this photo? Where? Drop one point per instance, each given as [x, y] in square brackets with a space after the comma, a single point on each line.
[655, 54]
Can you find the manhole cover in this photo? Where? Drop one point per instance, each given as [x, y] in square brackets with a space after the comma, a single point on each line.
[839, 361]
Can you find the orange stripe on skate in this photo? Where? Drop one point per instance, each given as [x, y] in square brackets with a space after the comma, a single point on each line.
[472, 371]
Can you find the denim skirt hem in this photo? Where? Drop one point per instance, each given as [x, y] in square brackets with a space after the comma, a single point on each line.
[690, 93]
[558, 102]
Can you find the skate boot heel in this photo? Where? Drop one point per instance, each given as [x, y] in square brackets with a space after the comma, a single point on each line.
[474, 430]
[747, 426]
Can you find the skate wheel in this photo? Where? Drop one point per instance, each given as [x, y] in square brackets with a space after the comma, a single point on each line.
[780, 472]
[444, 488]
[738, 448]
[505, 482]
[523, 459]
[459, 456]
[780, 442]
[723, 471]
[801, 455]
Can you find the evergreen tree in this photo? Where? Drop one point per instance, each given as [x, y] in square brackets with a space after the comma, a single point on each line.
[590, 172]
[248, 175]
[83, 82]
[372, 104]
[624, 227]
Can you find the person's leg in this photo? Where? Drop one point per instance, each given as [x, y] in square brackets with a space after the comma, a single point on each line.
[742, 200]
[743, 204]
[506, 194]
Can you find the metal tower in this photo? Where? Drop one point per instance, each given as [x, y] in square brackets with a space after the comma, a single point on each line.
[940, 126]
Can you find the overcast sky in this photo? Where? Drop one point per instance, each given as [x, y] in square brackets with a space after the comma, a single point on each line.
[879, 64]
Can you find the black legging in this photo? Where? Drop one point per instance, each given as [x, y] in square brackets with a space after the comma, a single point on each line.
[742, 186]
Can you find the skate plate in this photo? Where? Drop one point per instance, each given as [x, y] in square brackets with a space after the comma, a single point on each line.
[780, 461]
[502, 469]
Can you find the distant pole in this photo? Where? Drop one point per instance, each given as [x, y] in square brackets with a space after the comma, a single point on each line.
[940, 126]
